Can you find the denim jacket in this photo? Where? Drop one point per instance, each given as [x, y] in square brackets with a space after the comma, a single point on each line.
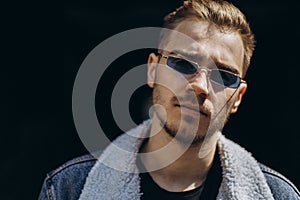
[88, 178]
[67, 181]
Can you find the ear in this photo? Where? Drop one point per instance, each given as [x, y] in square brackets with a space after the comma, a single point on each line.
[151, 73]
[242, 89]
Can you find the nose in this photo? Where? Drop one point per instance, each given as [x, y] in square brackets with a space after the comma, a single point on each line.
[200, 84]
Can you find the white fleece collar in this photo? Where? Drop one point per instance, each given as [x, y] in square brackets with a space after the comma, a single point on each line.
[242, 177]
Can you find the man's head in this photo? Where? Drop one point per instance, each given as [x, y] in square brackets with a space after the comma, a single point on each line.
[219, 38]
[219, 13]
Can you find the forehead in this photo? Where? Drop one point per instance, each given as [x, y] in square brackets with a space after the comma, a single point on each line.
[205, 41]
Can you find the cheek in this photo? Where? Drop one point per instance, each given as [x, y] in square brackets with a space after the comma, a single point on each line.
[218, 100]
[162, 95]
[163, 102]
[171, 80]
[223, 101]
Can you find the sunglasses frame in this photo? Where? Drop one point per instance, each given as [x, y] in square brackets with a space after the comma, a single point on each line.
[208, 69]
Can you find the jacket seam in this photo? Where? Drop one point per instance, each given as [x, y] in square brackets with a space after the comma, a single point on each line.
[68, 164]
[49, 188]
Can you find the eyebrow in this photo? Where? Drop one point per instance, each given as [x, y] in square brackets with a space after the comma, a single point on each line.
[226, 67]
[186, 54]
[218, 64]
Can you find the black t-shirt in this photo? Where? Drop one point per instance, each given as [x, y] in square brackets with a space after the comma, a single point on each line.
[208, 190]
[151, 191]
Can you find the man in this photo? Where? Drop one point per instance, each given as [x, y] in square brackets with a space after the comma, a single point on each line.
[197, 80]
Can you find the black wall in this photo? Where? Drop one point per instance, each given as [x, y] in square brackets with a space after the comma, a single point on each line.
[43, 50]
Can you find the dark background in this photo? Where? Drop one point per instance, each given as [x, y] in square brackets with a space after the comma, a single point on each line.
[42, 51]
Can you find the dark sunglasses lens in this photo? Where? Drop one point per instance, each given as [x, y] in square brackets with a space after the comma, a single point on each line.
[225, 78]
[181, 65]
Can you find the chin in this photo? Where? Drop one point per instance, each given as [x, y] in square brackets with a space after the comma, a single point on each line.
[188, 133]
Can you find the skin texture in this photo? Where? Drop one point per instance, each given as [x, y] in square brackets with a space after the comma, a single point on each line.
[191, 102]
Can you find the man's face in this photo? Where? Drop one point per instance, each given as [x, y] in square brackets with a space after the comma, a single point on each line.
[194, 101]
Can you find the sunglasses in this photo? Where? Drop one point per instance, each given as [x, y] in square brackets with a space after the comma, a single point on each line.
[218, 76]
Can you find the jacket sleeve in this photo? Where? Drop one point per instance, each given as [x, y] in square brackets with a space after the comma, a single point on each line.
[67, 181]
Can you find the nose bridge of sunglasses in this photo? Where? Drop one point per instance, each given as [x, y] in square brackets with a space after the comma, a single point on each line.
[200, 83]
[201, 76]
[203, 71]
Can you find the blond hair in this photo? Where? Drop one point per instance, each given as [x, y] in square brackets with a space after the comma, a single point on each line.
[224, 15]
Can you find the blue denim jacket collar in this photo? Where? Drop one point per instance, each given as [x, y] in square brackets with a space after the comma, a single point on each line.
[242, 176]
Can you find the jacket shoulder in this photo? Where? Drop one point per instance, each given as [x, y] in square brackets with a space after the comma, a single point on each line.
[280, 186]
[73, 165]
[67, 181]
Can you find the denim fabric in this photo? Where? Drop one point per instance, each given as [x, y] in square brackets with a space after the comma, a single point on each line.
[67, 181]
[280, 186]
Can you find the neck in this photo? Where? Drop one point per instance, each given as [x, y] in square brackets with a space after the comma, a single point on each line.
[173, 165]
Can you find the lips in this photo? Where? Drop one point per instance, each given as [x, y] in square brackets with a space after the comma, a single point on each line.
[194, 109]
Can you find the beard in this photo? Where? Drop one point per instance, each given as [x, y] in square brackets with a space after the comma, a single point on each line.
[194, 133]
[189, 129]
[185, 135]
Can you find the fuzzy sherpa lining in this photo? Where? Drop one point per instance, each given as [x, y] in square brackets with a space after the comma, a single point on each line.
[242, 177]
